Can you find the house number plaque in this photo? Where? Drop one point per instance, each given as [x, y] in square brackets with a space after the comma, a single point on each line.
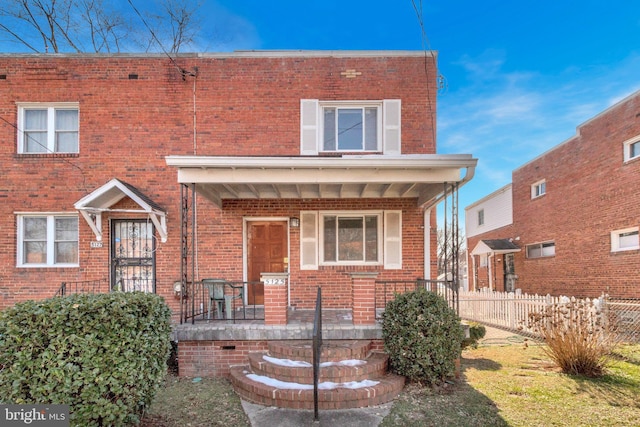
[274, 281]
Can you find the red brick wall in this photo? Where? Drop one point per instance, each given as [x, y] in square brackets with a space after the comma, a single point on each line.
[497, 262]
[244, 106]
[589, 193]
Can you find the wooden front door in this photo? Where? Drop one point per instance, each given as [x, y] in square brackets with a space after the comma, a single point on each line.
[267, 252]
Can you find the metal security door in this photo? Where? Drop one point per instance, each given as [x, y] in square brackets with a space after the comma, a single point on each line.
[509, 273]
[133, 261]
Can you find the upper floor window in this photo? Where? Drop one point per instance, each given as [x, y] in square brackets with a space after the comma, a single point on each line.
[540, 250]
[47, 240]
[538, 189]
[625, 240]
[632, 149]
[350, 126]
[48, 128]
[481, 217]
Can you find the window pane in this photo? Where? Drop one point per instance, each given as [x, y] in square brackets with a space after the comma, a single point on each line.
[35, 120]
[330, 129]
[67, 120]
[35, 142]
[35, 253]
[350, 129]
[66, 252]
[548, 249]
[66, 142]
[371, 230]
[350, 239]
[330, 238]
[534, 251]
[35, 228]
[629, 240]
[634, 150]
[371, 129]
[66, 229]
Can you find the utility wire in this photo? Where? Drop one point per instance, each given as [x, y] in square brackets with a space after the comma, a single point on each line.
[153, 34]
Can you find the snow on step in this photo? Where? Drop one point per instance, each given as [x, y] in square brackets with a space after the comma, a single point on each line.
[327, 385]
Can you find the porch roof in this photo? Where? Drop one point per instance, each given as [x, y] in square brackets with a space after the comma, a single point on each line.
[330, 177]
[495, 246]
[102, 199]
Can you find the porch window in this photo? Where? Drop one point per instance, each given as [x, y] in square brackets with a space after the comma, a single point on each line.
[351, 238]
[48, 128]
[47, 240]
[625, 240]
[541, 250]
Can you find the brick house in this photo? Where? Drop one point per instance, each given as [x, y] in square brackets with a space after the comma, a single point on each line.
[226, 183]
[568, 223]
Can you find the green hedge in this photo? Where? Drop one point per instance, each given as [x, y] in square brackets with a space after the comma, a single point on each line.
[104, 355]
[422, 336]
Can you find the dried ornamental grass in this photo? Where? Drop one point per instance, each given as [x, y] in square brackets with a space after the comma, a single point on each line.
[578, 333]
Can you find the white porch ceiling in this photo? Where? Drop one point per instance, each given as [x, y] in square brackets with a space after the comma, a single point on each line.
[367, 176]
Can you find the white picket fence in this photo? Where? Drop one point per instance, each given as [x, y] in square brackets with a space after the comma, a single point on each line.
[507, 310]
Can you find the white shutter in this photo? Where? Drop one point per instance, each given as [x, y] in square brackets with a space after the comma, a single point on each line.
[393, 240]
[309, 126]
[308, 240]
[391, 112]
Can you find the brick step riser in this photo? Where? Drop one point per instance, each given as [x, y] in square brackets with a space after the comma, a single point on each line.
[340, 398]
[376, 367]
[331, 351]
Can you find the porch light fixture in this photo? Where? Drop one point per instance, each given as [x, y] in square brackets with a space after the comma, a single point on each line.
[177, 288]
[294, 222]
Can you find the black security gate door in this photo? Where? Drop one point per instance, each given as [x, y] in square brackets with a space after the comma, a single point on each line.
[509, 273]
[133, 261]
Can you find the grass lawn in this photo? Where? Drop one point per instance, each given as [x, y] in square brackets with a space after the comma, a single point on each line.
[513, 385]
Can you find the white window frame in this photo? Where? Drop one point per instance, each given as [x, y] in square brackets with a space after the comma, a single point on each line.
[344, 105]
[389, 238]
[388, 125]
[50, 239]
[351, 214]
[51, 125]
[542, 246]
[617, 235]
[628, 147]
[484, 260]
[480, 217]
[538, 189]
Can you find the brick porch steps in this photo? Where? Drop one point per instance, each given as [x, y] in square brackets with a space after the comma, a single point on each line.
[388, 385]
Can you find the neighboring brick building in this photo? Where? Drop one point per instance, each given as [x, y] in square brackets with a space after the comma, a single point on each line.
[575, 212]
[318, 164]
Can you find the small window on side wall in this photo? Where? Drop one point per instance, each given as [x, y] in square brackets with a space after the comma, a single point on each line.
[481, 217]
[538, 189]
[625, 240]
[541, 250]
[631, 149]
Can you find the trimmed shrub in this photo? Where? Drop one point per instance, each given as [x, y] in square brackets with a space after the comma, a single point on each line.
[104, 355]
[579, 335]
[476, 333]
[422, 336]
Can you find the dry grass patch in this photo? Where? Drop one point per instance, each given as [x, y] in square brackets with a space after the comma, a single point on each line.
[520, 385]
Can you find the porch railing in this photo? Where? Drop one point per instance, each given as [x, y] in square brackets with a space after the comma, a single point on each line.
[317, 350]
[83, 287]
[386, 291]
[219, 300]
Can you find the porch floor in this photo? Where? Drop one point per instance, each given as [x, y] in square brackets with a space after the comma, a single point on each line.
[337, 324]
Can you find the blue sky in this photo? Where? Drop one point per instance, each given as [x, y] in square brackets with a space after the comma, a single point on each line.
[520, 75]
